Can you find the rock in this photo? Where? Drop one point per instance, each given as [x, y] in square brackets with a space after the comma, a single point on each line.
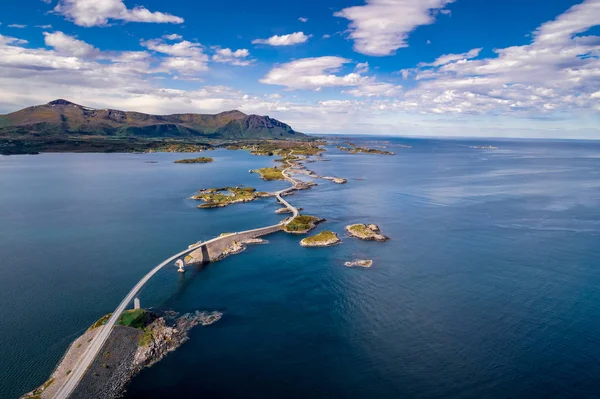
[359, 263]
[373, 227]
[364, 232]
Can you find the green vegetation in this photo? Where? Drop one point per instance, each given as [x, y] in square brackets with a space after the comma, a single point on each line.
[102, 321]
[301, 224]
[146, 337]
[270, 173]
[195, 160]
[135, 318]
[323, 238]
[219, 197]
[361, 229]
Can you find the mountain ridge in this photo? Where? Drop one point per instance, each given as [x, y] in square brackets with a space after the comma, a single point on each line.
[63, 117]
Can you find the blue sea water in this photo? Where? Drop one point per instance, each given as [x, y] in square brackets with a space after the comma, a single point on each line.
[487, 288]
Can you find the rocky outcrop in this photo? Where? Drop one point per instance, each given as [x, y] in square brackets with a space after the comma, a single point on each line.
[359, 263]
[369, 232]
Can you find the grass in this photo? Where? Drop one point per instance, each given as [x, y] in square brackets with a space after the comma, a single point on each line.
[145, 338]
[322, 237]
[271, 174]
[362, 230]
[133, 318]
[102, 321]
[222, 196]
[196, 160]
[301, 223]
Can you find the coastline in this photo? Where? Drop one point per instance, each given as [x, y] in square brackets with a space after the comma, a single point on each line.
[221, 246]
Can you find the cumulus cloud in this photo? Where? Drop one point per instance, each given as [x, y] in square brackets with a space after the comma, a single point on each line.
[302, 19]
[238, 57]
[68, 45]
[558, 72]
[100, 12]
[186, 57]
[320, 72]
[380, 27]
[284, 40]
[17, 26]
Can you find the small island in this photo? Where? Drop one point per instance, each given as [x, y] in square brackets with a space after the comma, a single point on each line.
[302, 224]
[354, 149]
[220, 197]
[359, 263]
[195, 160]
[369, 232]
[269, 173]
[323, 239]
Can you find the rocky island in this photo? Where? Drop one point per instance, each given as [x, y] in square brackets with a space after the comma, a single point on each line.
[220, 197]
[369, 232]
[359, 263]
[195, 160]
[323, 239]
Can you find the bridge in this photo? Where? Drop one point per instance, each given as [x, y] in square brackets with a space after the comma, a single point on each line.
[100, 339]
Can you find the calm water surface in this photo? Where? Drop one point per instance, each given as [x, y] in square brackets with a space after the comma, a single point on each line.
[488, 287]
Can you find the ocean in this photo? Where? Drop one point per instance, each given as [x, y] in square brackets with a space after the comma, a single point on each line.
[488, 286]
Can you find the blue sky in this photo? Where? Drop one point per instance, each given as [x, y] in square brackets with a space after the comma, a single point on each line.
[401, 67]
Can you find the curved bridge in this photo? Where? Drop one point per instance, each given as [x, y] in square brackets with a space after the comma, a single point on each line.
[100, 339]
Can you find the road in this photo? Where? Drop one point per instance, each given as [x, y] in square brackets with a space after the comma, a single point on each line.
[99, 340]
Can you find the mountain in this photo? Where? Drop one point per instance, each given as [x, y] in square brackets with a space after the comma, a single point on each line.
[62, 117]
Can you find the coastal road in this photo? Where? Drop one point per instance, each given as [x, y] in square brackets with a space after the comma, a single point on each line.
[100, 339]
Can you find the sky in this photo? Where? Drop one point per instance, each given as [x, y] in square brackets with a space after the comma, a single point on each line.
[489, 68]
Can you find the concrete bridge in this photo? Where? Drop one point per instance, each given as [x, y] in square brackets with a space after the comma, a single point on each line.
[207, 250]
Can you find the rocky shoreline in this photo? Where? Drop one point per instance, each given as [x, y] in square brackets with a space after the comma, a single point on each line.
[127, 351]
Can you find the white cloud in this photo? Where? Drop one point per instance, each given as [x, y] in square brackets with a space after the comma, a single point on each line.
[186, 57]
[7, 40]
[448, 58]
[302, 19]
[380, 27]
[173, 36]
[238, 57]
[68, 45]
[326, 36]
[99, 12]
[362, 67]
[44, 26]
[320, 72]
[556, 74]
[180, 49]
[284, 40]
[17, 26]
